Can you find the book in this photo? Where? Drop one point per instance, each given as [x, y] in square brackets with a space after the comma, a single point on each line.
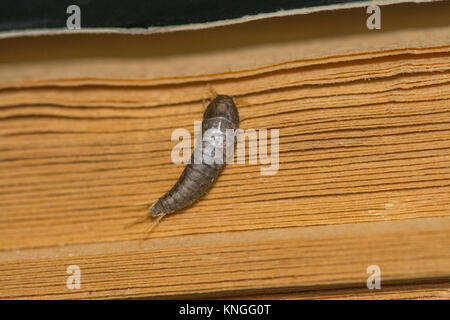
[86, 124]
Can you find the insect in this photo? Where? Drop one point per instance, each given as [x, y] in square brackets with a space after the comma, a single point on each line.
[221, 114]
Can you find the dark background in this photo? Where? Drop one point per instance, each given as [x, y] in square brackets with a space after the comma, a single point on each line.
[40, 14]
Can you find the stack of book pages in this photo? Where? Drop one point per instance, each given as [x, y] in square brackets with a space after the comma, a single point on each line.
[361, 178]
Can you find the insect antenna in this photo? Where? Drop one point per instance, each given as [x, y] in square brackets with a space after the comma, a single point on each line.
[212, 93]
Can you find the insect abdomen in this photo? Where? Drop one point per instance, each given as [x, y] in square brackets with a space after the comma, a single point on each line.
[221, 114]
[192, 184]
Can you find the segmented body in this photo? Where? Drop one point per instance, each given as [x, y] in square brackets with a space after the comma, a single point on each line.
[220, 115]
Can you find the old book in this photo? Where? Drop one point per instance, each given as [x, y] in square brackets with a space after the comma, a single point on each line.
[362, 176]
